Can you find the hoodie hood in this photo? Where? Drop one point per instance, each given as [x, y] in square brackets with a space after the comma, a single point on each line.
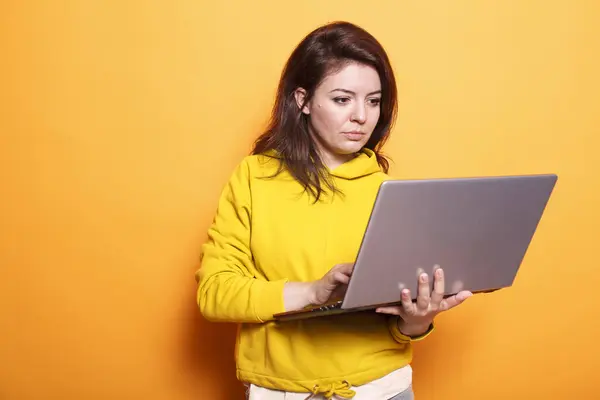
[365, 163]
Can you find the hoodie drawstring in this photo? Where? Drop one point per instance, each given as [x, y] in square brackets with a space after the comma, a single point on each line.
[342, 389]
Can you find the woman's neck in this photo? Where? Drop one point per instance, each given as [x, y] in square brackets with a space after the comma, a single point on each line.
[332, 160]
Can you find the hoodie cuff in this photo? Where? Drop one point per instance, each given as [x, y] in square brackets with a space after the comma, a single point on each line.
[402, 338]
[269, 299]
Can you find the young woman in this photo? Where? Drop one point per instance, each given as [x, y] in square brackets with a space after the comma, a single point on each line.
[290, 221]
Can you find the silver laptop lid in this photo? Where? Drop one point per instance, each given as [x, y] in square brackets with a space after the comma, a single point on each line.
[477, 229]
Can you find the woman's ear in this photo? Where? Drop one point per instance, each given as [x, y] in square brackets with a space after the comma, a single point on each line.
[300, 95]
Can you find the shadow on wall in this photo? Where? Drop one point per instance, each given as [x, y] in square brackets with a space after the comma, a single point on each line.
[448, 349]
[208, 353]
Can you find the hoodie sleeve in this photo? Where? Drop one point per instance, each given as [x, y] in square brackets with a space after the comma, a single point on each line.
[228, 287]
[402, 338]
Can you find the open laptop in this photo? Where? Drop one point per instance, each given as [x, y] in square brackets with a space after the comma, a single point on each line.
[476, 229]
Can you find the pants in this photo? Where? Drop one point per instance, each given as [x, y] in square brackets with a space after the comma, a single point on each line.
[408, 394]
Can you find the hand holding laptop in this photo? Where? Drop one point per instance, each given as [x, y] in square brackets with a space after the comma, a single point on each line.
[418, 316]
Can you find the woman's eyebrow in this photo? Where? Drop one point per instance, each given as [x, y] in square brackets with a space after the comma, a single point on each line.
[351, 92]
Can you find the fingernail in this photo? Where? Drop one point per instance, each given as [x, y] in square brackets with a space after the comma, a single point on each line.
[439, 273]
[405, 293]
[424, 278]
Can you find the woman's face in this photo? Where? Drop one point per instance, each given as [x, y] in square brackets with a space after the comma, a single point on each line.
[343, 112]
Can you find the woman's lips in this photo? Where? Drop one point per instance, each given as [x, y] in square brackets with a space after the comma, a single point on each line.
[354, 136]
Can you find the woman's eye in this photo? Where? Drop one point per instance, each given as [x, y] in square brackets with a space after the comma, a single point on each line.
[374, 102]
[341, 100]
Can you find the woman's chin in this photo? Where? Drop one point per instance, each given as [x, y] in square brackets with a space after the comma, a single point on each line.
[350, 148]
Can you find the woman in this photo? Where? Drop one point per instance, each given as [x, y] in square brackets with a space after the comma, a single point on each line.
[290, 221]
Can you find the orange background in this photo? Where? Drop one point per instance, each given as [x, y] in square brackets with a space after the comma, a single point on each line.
[121, 121]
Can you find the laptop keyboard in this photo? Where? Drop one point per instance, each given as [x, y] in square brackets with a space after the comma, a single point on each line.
[327, 307]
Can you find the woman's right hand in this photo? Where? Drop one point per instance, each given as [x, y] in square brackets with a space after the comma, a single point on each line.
[332, 285]
[297, 295]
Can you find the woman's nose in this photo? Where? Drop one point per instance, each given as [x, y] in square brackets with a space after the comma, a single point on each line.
[359, 115]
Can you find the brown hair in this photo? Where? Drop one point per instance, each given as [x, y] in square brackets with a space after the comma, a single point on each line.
[324, 51]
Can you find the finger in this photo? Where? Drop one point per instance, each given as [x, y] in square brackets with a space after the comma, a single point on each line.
[340, 277]
[455, 300]
[419, 272]
[345, 269]
[393, 310]
[423, 293]
[335, 279]
[407, 304]
[438, 289]
[338, 293]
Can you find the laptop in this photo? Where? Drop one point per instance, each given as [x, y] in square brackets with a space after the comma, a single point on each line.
[477, 229]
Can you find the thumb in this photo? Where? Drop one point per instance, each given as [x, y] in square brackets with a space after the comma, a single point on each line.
[455, 300]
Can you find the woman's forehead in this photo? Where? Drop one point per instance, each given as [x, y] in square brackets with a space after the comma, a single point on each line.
[357, 78]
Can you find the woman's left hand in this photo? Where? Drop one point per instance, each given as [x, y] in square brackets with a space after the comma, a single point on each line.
[417, 317]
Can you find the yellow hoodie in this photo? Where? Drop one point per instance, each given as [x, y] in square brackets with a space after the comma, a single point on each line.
[267, 232]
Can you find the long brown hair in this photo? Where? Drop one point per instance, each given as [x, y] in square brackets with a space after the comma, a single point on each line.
[324, 51]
